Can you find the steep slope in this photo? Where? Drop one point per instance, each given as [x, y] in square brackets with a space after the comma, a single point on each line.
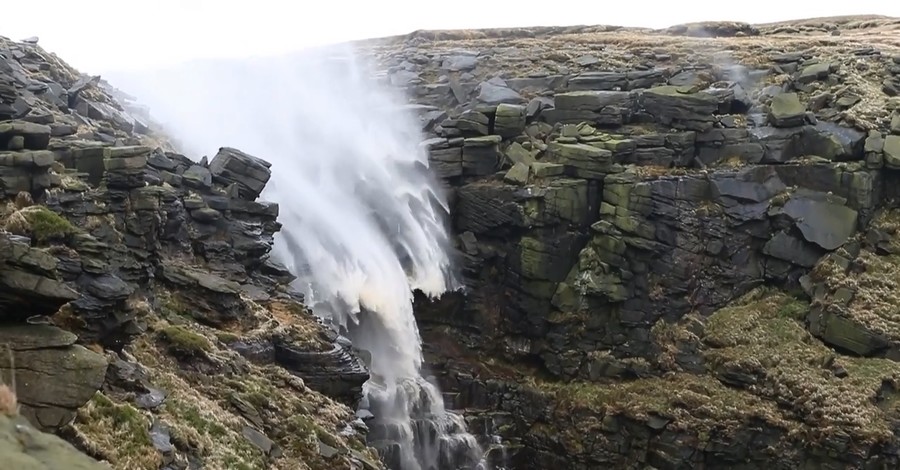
[147, 322]
[678, 244]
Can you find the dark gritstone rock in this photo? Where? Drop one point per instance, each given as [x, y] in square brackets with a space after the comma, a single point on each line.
[601, 254]
[54, 375]
[130, 274]
[675, 255]
[29, 282]
[318, 369]
[787, 111]
[233, 166]
[680, 107]
[216, 300]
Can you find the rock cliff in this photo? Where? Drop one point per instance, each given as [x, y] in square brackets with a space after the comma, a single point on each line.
[678, 245]
[146, 322]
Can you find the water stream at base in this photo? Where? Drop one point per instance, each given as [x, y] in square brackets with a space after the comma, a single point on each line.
[362, 217]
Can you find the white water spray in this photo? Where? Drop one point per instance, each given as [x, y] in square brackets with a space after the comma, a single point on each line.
[362, 215]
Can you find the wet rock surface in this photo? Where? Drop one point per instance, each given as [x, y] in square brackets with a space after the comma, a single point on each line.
[678, 247]
[673, 263]
[145, 319]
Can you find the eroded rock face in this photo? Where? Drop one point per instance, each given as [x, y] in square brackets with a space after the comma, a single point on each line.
[608, 252]
[29, 280]
[131, 274]
[54, 376]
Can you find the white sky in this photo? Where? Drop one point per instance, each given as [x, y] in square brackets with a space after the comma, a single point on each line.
[103, 35]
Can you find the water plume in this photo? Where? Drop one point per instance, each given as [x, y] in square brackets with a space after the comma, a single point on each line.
[363, 218]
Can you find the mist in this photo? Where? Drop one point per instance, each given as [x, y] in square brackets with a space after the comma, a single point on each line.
[363, 218]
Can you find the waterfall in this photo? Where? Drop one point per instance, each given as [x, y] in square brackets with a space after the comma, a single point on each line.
[363, 218]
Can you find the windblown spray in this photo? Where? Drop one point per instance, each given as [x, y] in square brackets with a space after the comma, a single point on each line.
[362, 216]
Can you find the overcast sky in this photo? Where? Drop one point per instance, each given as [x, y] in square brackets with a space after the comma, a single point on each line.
[102, 35]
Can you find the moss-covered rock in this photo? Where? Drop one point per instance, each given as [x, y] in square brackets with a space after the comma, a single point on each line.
[24, 448]
[786, 110]
[181, 340]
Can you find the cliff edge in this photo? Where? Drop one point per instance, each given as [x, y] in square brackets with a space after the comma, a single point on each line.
[678, 244]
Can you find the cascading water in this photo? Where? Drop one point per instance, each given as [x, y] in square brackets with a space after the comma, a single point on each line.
[362, 217]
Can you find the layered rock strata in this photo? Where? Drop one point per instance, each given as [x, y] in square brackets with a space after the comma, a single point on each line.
[145, 320]
[665, 240]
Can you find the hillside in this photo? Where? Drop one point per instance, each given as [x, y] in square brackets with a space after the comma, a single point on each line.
[148, 324]
[679, 248]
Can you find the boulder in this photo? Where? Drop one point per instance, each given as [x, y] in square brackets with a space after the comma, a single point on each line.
[681, 107]
[335, 372]
[873, 147]
[472, 122]
[446, 162]
[516, 153]
[25, 448]
[597, 107]
[518, 174]
[54, 376]
[213, 300]
[28, 280]
[815, 72]
[786, 110]
[481, 155]
[822, 220]
[493, 94]
[32, 136]
[249, 173]
[460, 62]
[509, 120]
[582, 160]
[891, 152]
[793, 250]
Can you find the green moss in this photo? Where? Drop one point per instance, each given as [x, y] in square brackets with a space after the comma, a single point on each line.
[46, 225]
[173, 307]
[776, 373]
[793, 308]
[212, 435]
[693, 402]
[227, 337]
[183, 341]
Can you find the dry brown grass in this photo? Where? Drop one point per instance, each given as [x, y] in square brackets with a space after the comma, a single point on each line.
[9, 403]
[763, 335]
[875, 283]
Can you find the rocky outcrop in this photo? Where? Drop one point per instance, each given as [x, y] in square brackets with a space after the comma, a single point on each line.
[608, 246]
[629, 219]
[29, 280]
[130, 274]
[54, 375]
